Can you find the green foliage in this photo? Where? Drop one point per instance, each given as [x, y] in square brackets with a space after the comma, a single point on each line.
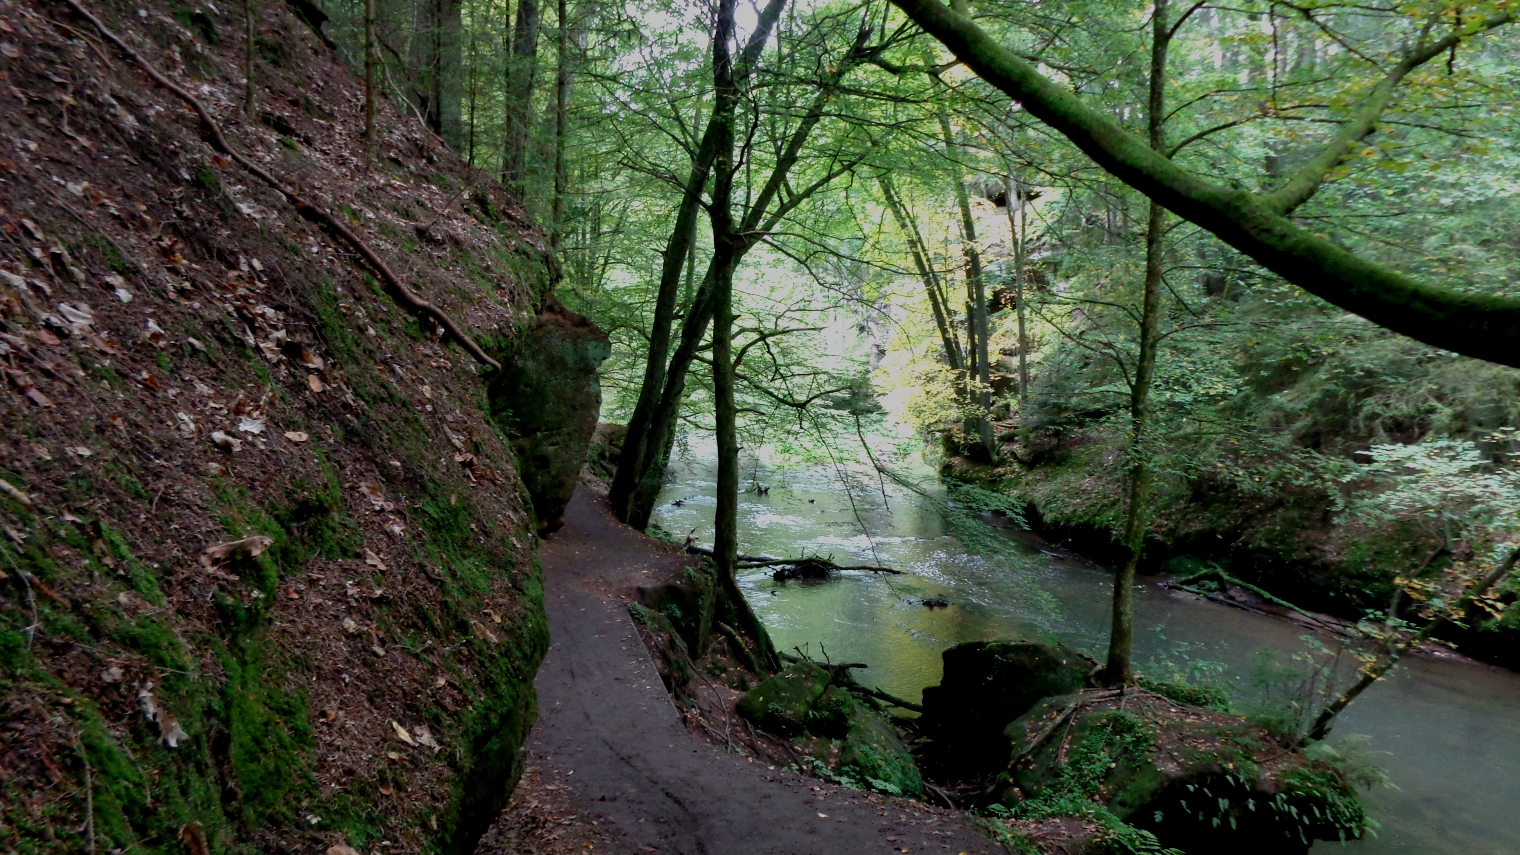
[1075, 788]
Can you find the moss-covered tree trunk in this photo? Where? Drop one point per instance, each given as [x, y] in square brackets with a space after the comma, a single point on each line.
[977, 325]
[920, 255]
[726, 521]
[1118, 669]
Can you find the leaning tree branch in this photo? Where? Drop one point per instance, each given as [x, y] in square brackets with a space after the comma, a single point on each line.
[218, 140]
[1479, 325]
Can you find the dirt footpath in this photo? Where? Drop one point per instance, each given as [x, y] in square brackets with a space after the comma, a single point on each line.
[612, 768]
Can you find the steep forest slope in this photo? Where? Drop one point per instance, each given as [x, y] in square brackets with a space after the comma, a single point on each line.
[268, 579]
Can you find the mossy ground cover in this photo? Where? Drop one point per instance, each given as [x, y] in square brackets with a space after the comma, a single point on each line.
[152, 692]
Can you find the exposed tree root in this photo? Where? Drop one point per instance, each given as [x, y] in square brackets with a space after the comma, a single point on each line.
[218, 140]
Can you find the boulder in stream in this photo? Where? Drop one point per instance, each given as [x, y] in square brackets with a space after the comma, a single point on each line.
[1198, 779]
[986, 685]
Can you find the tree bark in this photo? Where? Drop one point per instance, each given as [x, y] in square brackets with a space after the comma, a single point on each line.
[726, 521]
[976, 299]
[522, 66]
[636, 456]
[1121, 641]
[371, 82]
[1478, 325]
[926, 273]
[1018, 225]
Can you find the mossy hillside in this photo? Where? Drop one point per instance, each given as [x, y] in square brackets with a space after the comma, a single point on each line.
[1196, 779]
[286, 709]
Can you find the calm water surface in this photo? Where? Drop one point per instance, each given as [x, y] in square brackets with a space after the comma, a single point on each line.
[1447, 732]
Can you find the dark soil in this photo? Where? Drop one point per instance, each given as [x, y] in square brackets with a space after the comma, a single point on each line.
[613, 764]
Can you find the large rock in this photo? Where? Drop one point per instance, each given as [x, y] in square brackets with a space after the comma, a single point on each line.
[1198, 779]
[546, 400]
[783, 704]
[874, 753]
[986, 685]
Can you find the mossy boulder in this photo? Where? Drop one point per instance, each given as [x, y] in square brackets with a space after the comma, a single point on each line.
[689, 604]
[546, 399]
[783, 704]
[1198, 779]
[874, 753]
[986, 685]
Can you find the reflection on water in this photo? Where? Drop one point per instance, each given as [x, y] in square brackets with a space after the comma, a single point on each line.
[1451, 729]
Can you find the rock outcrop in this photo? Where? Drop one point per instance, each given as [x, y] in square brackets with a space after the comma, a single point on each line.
[803, 703]
[546, 400]
[1198, 779]
[986, 685]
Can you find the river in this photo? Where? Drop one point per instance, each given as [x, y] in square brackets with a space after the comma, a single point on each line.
[1446, 730]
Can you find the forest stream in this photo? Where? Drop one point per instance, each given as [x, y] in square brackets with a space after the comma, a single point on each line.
[1440, 727]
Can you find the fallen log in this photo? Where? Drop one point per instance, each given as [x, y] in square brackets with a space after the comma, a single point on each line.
[753, 561]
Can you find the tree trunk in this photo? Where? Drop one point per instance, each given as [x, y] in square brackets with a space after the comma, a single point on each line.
[371, 82]
[976, 299]
[1119, 669]
[250, 28]
[641, 448]
[562, 80]
[1018, 225]
[726, 520]
[925, 273]
[522, 65]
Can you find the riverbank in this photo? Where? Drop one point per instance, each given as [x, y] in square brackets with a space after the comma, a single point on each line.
[633, 775]
[1290, 545]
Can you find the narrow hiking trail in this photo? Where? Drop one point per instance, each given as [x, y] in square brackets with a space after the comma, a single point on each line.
[611, 764]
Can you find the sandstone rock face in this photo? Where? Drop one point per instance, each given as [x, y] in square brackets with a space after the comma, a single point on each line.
[986, 685]
[547, 400]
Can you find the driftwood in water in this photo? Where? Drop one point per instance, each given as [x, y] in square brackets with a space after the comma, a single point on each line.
[795, 568]
[841, 677]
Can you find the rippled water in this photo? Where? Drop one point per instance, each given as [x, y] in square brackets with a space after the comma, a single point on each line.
[1450, 729]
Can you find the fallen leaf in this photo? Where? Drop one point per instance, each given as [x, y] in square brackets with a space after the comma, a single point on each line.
[342, 849]
[373, 560]
[297, 435]
[225, 442]
[349, 626]
[251, 547]
[155, 333]
[170, 733]
[385, 789]
[194, 839]
[314, 383]
[402, 734]
[426, 740]
[78, 315]
[251, 425]
[112, 674]
[215, 469]
[372, 492]
[79, 451]
[11, 492]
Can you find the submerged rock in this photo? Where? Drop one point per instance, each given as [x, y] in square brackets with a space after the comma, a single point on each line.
[1198, 779]
[986, 685]
[546, 400]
